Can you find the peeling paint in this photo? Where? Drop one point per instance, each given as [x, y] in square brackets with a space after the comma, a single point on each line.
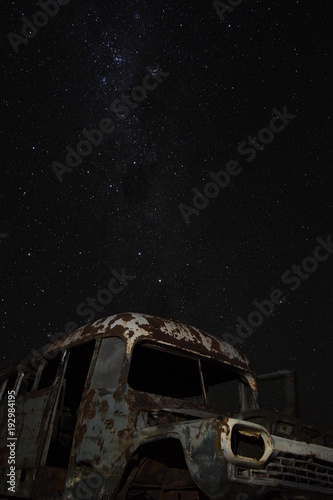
[126, 440]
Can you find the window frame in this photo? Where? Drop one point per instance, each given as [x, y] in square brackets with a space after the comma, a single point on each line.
[93, 376]
[197, 356]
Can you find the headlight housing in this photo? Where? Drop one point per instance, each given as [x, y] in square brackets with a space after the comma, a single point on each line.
[245, 443]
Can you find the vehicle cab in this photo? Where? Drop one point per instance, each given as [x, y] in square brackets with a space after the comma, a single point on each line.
[135, 406]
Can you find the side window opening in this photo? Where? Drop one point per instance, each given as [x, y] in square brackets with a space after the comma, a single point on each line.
[222, 386]
[31, 377]
[34, 376]
[11, 382]
[68, 404]
[49, 372]
[28, 381]
[246, 395]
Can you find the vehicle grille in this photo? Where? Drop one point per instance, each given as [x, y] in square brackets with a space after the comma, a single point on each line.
[292, 471]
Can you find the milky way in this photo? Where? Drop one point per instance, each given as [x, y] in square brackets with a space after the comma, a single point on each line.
[119, 208]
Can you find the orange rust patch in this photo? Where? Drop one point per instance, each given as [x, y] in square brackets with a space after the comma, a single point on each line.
[118, 329]
[89, 410]
[80, 434]
[130, 333]
[122, 434]
[225, 424]
[156, 322]
[123, 317]
[120, 414]
[105, 406]
[146, 328]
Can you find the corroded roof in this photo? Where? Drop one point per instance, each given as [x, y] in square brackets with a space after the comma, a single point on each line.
[135, 326]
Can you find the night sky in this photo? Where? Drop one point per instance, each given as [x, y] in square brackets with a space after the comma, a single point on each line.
[186, 92]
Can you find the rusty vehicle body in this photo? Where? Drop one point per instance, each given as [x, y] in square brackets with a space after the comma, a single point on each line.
[135, 406]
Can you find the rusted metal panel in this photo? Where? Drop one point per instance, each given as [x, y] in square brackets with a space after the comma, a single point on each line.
[282, 463]
[31, 429]
[199, 440]
[135, 327]
[33, 415]
[103, 441]
[202, 451]
[50, 483]
[224, 454]
[30, 436]
[255, 449]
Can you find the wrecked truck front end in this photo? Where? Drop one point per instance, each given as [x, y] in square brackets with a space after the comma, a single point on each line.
[134, 406]
[259, 459]
[235, 459]
[167, 429]
[157, 426]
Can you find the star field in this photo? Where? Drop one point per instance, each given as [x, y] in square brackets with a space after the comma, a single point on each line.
[119, 208]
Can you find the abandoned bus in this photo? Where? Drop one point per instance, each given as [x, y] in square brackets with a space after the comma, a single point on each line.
[135, 406]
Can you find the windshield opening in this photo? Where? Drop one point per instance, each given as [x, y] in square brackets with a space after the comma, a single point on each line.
[167, 372]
